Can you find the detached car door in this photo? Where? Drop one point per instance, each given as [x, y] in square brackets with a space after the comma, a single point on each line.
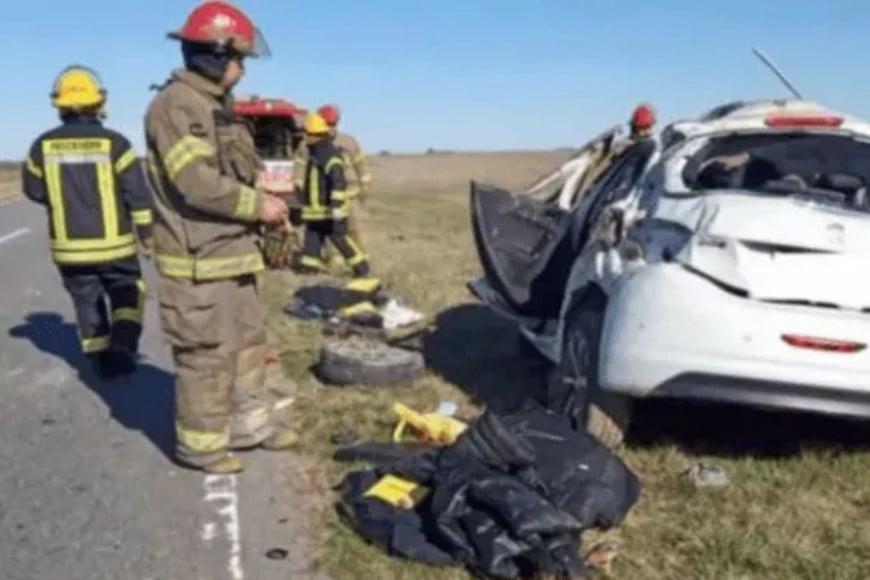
[518, 234]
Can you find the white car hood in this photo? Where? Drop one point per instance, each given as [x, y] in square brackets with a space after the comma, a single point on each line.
[777, 248]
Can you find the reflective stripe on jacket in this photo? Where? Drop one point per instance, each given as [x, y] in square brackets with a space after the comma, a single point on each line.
[94, 189]
[203, 167]
[325, 193]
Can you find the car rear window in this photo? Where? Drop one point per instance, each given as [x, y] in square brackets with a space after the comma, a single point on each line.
[836, 167]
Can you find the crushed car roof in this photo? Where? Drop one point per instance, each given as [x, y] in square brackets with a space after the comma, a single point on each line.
[771, 114]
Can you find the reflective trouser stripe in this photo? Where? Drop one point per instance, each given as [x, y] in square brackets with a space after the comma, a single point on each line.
[358, 255]
[94, 344]
[311, 261]
[209, 268]
[201, 442]
[133, 314]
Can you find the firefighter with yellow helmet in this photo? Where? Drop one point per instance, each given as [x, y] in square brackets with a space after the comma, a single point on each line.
[89, 180]
[203, 169]
[326, 204]
[357, 174]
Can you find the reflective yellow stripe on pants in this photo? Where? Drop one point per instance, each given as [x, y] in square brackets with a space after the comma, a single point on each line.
[94, 344]
[133, 314]
[209, 268]
[202, 442]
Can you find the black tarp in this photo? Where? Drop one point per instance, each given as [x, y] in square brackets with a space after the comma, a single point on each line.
[509, 500]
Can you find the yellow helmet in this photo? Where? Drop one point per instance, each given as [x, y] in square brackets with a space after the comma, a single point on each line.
[316, 125]
[77, 87]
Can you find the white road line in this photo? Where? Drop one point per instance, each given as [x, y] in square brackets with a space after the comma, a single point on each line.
[222, 488]
[11, 236]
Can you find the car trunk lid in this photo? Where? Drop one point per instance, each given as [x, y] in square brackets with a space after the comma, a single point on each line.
[783, 249]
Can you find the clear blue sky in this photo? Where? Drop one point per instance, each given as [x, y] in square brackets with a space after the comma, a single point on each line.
[462, 74]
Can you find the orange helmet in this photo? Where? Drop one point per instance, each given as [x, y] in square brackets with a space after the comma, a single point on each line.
[330, 113]
[643, 117]
[222, 24]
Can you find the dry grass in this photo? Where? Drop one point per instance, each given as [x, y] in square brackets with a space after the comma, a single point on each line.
[798, 505]
[10, 181]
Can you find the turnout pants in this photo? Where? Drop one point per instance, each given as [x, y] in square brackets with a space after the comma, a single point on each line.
[335, 231]
[217, 331]
[109, 300]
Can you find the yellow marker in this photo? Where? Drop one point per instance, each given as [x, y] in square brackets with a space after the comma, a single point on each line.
[397, 491]
[432, 427]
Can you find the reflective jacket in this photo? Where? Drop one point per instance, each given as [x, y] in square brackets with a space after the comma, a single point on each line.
[357, 173]
[202, 166]
[324, 195]
[89, 179]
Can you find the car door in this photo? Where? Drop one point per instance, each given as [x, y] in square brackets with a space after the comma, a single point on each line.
[517, 233]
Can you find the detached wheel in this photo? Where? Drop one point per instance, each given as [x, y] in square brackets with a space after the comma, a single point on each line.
[364, 362]
[573, 385]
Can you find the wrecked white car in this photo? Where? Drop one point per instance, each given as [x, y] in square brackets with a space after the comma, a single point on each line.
[727, 260]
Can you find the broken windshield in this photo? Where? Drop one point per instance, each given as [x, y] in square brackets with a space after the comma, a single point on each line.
[823, 167]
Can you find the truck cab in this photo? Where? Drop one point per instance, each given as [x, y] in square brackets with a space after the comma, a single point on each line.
[276, 125]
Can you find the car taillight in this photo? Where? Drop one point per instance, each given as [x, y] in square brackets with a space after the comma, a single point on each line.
[825, 344]
[803, 121]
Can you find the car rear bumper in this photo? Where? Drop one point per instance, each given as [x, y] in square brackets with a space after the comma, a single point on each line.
[669, 332]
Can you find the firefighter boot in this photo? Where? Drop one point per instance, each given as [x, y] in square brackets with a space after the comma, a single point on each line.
[226, 465]
[258, 426]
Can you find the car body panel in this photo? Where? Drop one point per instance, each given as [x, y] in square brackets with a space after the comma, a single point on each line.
[703, 331]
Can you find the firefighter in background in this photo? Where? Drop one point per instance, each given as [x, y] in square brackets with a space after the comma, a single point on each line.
[98, 203]
[357, 174]
[643, 119]
[206, 245]
[325, 205]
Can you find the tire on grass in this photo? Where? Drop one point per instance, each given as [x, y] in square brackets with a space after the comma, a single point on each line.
[606, 415]
[362, 362]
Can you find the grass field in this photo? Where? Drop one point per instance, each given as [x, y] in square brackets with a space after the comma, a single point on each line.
[798, 505]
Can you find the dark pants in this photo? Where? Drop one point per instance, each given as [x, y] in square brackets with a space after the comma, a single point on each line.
[108, 301]
[336, 231]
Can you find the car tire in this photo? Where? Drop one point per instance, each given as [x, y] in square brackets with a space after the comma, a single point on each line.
[605, 415]
[366, 362]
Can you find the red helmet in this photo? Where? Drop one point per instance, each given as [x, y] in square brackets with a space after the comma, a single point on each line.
[643, 117]
[221, 23]
[330, 113]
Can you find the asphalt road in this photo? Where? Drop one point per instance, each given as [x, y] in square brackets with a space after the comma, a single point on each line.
[88, 488]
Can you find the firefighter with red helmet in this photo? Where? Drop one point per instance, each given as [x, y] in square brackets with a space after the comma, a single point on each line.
[208, 212]
[643, 119]
[359, 178]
